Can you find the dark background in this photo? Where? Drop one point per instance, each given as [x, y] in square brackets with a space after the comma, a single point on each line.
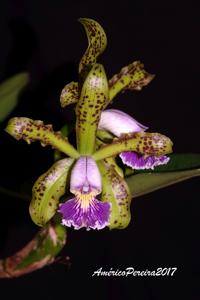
[44, 38]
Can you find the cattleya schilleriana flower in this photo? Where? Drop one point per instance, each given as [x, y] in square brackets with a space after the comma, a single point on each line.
[101, 196]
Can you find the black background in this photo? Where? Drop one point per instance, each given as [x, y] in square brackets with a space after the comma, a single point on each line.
[45, 38]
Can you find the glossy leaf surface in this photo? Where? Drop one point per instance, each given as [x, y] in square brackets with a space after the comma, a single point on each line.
[141, 184]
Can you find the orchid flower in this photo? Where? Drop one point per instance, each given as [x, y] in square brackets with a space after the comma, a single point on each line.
[100, 195]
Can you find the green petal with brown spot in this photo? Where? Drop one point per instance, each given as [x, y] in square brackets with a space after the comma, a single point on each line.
[116, 191]
[97, 42]
[47, 191]
[30, 131]
[69, 94]
[131, 77]
[140, 142]
[110, 161]
[93, 99]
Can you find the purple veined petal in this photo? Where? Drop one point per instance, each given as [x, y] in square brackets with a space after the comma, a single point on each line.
[85, 176]
[90, 213]
[140, 162]
[118, 122]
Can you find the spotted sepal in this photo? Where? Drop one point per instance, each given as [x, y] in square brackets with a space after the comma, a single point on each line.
[97, 42]
[35, 130]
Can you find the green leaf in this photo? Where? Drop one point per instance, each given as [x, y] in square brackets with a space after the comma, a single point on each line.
[182, 161]
[115, 191]
[93, 99]
[141, 184]
[97, 42]
[35, 130]
[131, 77]
[39, 252]
[9, 92]
[141, 142]
[178, 162]
[69, 94]
[47, 191]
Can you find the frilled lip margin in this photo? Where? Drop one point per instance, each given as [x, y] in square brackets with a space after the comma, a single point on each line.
[141, 162]
[94, 215]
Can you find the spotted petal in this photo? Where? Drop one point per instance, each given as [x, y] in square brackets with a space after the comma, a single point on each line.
[69, 94]
[47, 190]
[30, 131]
[131, 77]
[140, 142]
[116, 191]
[97, 41]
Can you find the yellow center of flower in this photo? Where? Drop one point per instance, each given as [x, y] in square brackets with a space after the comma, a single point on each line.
[85, 199]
